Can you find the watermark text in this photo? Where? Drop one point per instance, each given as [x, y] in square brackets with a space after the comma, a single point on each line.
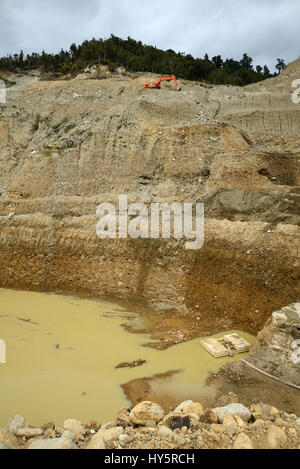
[157, 221]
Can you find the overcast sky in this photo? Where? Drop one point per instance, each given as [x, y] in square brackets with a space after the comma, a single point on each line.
[265, 29]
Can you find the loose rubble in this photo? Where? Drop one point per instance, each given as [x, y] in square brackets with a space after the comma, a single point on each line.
[147, 426]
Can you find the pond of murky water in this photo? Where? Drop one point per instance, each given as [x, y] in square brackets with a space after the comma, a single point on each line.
[62, 352]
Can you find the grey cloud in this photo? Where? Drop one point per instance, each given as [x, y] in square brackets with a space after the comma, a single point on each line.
[264, 29]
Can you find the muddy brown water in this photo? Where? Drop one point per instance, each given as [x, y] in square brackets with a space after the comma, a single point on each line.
[62, 352]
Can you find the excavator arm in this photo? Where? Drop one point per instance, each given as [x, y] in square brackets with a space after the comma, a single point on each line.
[156, 85]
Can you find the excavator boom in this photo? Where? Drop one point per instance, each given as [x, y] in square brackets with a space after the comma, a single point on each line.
[156, 85]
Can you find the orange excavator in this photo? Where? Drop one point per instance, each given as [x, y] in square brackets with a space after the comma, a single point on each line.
[156, 85]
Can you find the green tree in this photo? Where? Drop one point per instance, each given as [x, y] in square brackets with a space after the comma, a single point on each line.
[280, 65]
[267, 73]
[246, 62]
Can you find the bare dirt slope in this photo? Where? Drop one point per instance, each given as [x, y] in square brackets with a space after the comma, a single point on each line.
[67, 146]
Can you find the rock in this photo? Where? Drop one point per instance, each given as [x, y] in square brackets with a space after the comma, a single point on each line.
[184, 430]
[123, 418]
[229, 420]
[199, 442]
[181, 406]
[273, 411]
[6, 446]
[93, 425]
[146, 411]
[108, 426]
[126, 439]
[258, 423]
[194, 408]
[29, 432]
[298, 422]
[180, 420]
[179, 440]
[111, 434]
[233, 409]
[276, 437]
[16, 423]
[279, 422]
[210, 416]
[96, 442]
[56, 443]
[165, 433]
[240, 422]
[48, 426]
[50, 434]
[258, 412]
[69, 435]
[74, 426]
[7, 437]
[216, 428]
[243, 442]
[230, 398]
[150, 424]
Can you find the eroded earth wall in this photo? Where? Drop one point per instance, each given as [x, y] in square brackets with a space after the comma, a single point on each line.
[67, 146]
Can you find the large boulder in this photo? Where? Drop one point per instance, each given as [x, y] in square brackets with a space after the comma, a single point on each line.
[233, 409]
[146, 411]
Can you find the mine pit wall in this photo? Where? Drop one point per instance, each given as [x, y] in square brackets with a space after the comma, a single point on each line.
[68, 146]
[238, 279]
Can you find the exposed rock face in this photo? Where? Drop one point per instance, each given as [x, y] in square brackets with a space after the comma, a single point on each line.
[68, 146]
[277, 349]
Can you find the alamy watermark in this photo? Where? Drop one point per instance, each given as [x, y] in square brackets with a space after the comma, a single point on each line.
[157, 221]
[2, 92]
[2, 352]
[296, 93]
